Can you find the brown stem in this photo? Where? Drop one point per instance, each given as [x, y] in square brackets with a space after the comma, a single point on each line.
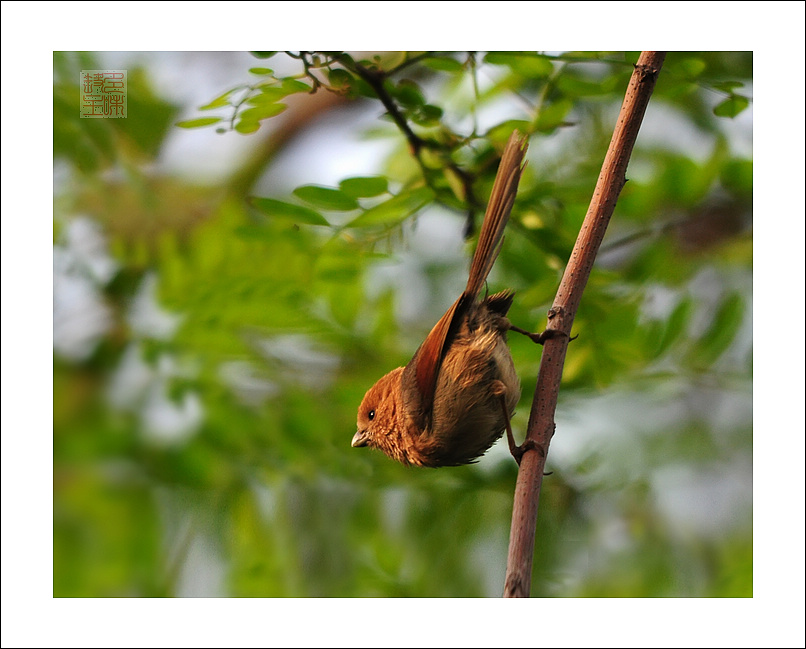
[561, 317]
[375, 79]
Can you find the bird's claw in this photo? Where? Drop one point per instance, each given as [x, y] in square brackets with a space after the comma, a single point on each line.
[518, 451]
[542, 337]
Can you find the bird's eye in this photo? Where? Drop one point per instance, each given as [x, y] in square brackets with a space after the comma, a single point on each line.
[371, 415]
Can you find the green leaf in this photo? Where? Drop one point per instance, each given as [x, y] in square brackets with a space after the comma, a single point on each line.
[326, 197]
[273, 91]
[727, 86]
[218, 102]
[396, 209]
[426, 115]
[245, 127]
[732, 106]
[527, 64]
[268, 95]
[292, 86]
[502, 131]
[263, 55]
[456, 183]
[364, 186]
[721, 333]
[737, 177]
[262, 111]
[443, 64]
[553, 115]
[199, 122]
[338, 268]
[675, 325]
[408, 93]
[261, 71]
[280, 209]
[692, 67]
[340, 78]
[576, 86]
[363, 89]
[683, 181]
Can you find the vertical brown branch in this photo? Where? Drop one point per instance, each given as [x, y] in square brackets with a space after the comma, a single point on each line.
[561, 316]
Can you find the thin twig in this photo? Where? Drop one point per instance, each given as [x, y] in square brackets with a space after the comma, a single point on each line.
[561, 317]
[376, 79]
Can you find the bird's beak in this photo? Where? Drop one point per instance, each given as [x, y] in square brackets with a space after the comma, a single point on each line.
[359, 439]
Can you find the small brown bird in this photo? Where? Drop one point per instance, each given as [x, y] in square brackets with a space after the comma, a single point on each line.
[455, 397]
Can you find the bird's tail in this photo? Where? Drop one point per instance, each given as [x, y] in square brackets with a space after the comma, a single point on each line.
[502, 198]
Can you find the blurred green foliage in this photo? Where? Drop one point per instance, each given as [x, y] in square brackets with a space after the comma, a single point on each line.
[205, 449]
